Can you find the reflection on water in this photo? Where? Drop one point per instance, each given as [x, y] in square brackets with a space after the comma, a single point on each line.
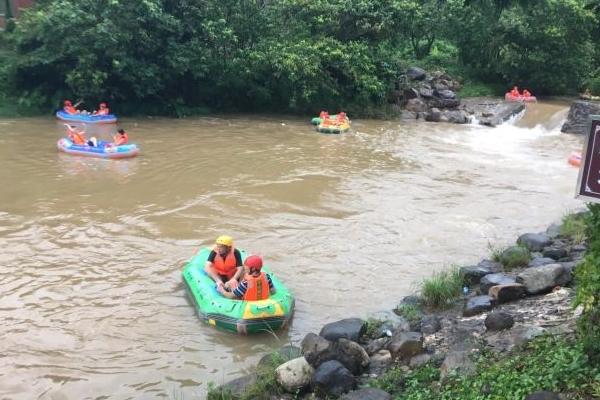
[93, 304]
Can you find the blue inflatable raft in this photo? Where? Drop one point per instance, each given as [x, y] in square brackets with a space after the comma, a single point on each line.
[102, 151]
[87, 118]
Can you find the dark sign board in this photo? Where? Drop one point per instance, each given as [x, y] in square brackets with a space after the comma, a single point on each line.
[588, 184]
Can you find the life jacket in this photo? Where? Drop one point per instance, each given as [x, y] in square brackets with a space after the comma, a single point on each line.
[77, 138]
[70, 110]
[124, 139]
[227, 266]
[258, 287]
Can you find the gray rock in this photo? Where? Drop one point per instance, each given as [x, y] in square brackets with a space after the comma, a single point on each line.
[391, 320]
[380, 362]
[458, 362]
[577, 120]
[375, 345]
[406, 344]
[476, 305]
[543, 395]
[430, 324]
[317, 349]
[555, 252]
[534, 241]
[410, 94]
[367, 394]
[416, 73]
[473, 273]
[412, 300]
[350, 328]
[439, 102]
[426, 92]
[494, 280]
[295, 374]
[352, 355]
[419, 360]
[543, 279]
[408, 115]
[512, 254]
[433, 115]
[539, 261]
[237, 387]
[505, 293]
[333, 379]
[456, 116]
[416, 105]
[445, 93]
[498, 321]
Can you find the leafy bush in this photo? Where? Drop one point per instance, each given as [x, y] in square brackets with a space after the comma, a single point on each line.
[588, 287]
[546, 364]
[442, 288]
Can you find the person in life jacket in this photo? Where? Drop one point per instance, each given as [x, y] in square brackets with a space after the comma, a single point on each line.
[515, 92]
[121, 138]
[76, 136]
[256, 284]
[341, 117]
[526, 93]
[69, 108]
[323, 115]
[224, 263]
[102, 109]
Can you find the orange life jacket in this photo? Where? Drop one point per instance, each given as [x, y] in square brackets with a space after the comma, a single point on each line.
[70, 110]
[258, 287]
[121, 140]
[227, 266]
[77, 137]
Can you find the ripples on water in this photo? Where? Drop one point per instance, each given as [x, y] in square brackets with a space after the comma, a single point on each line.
[93, 305]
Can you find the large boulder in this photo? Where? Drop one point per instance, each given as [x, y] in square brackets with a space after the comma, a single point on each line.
[545, 278]
[316, 349]
[494, 280]
[416, 73]
[333, 379]
[416, 105]
[295, 374]
[376, 344]
[430, 324]
[367, 394]
[534, 241]
[350, 328]
[577, 120]
[380, 362]
[406, 344]
[539, 261]
[472, 274]
[476, 305]
[505, 293]
[352, 355]
[456, 116]
[555, 252]
[498, 321]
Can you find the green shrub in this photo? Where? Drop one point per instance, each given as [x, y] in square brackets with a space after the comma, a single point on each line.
[442, 288]
[574, 226]
[411, 312]
[372, 326]
[588, 287]
[515, 256]
[545, 364]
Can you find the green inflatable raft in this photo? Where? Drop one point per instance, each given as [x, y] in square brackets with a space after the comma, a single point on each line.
[239, 316]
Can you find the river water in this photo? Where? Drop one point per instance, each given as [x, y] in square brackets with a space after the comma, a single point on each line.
[91, 251]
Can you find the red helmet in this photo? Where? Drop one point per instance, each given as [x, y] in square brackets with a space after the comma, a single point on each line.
[102, 104]
[68, 103]
[254, 262]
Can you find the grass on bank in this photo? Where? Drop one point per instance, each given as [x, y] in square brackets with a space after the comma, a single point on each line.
[574, 226]
[442, 289]
[546, 363]
[510, 257]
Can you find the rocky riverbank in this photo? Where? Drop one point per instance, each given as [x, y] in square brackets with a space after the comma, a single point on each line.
[433, 97]
[522, 293]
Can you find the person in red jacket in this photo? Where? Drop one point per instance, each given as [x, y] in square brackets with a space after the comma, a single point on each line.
[515, 92]
[76, 136]
[526, 93]
[224, 263]
[256, 284]
[121, 139]
[69, 108]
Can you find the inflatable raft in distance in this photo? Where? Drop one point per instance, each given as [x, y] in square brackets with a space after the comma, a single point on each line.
[102, 151]
[244, 317]
[332, 127]
[526, 99]
[87, 118]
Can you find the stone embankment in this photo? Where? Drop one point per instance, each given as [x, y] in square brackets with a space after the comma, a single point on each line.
[432, 97]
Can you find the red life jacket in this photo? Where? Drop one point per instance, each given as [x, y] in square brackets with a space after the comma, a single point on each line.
[227, 266]
[258, 287]
[77, 137]
[70, 110]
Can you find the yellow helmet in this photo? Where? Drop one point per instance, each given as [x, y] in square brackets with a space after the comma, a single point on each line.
[225, 240]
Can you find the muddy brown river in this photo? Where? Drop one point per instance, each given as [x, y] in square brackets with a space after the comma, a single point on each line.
[92, 302]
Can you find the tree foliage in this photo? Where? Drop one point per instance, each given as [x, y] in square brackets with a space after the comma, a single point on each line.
[170, 56]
